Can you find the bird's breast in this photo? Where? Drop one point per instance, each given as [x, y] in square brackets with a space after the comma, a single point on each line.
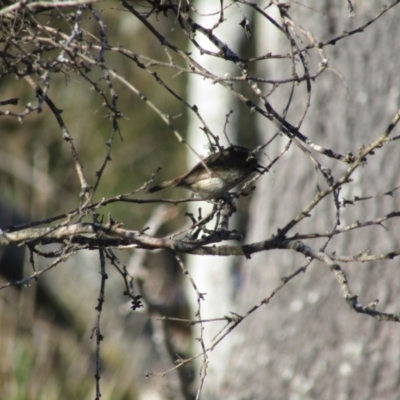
[209, 188]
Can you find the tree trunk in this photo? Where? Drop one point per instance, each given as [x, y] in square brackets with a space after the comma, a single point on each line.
[307, 343]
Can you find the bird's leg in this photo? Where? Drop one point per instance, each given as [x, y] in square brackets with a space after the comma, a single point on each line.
[218, 217]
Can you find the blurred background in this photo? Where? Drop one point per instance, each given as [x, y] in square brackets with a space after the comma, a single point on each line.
[46, 328]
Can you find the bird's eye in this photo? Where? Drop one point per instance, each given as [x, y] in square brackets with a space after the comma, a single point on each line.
[251, 161]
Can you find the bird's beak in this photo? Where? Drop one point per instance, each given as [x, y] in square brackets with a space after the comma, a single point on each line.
[260, 169]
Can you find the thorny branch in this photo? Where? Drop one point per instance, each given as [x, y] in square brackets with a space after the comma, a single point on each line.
[81, 52]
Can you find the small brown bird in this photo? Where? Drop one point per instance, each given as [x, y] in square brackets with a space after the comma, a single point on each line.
[226, 169]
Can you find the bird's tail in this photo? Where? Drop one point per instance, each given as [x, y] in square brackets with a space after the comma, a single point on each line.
[161, 186]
